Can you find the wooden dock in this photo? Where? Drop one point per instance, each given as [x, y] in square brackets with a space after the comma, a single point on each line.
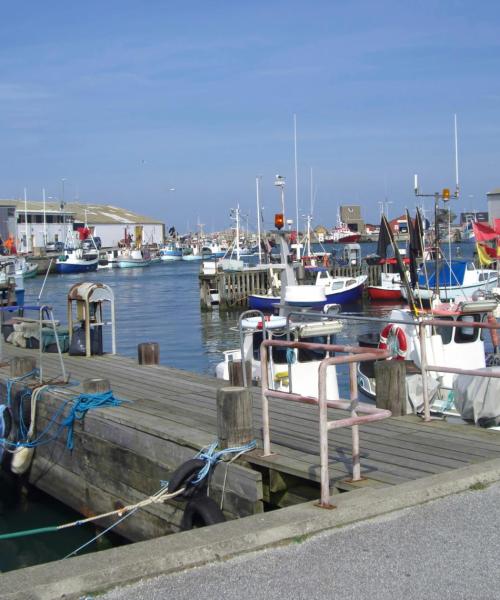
[121, 454]
[234, 287]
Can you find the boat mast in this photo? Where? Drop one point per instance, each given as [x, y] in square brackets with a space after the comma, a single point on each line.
[44, 220]
[238, 232]
[257, 186]
[26, 246]
[296, 184]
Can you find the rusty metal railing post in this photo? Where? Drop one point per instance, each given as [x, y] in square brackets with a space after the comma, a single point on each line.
[356, 464]
[266, 439]
[423, 366]
[323, 436]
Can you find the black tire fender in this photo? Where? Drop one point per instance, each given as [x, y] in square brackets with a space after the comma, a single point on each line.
[185, 474]
[201, 511]
[7, 422]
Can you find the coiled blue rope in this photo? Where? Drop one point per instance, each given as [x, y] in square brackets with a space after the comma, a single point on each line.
[212, 457]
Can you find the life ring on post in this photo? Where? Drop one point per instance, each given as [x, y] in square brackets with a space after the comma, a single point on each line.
[396, 332]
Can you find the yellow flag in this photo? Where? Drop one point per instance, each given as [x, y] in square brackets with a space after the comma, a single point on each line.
[483, 256]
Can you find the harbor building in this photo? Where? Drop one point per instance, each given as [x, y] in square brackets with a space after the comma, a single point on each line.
[493, 198]
[34, 224]
[351, 216]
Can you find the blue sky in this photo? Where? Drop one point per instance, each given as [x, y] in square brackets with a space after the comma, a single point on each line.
[126, 100]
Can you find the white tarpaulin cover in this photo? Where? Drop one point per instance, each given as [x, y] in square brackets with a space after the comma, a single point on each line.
[478, 398]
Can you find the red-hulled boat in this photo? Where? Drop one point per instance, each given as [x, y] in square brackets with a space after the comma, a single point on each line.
[379, 292]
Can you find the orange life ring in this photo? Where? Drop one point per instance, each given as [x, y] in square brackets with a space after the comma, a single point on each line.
[396, 332]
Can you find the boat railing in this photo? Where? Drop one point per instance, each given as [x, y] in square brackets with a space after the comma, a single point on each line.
[426, 367]
[351, 355]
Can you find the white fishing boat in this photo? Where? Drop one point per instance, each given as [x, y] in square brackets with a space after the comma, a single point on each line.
[289, 370]
[458, 347]
[133, 257]
[108, 259]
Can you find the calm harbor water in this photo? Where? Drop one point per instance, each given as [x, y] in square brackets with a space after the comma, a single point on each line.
[159, 303]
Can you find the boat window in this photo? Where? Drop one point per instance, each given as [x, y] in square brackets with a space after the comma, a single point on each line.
[446, 333]
[323, 275]
[350, 282]
[470, 266]
[279, 354]
[336, 285]
[467, 334]
[309, 355]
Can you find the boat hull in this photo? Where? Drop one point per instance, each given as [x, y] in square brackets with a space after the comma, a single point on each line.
[130, 263]
[345, 296]
[171, 257]
[80, 267]
[262, 302]
[376, 292]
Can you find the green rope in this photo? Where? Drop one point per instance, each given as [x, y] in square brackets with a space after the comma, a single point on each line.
[18, 534]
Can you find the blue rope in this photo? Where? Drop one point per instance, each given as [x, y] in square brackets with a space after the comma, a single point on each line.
[80, 405]
[11, 381]
[211, 457]
[3, 408]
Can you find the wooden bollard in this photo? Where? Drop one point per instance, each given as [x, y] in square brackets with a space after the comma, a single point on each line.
[20, 365]
[234, 416]
[96, 385]
[148, 353]
[390, 381]
[236, 373]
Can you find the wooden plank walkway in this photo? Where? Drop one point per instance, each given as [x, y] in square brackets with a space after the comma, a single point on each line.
[180, 406]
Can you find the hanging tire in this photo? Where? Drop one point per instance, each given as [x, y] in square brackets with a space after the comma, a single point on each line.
[200, 512]
[184, 475]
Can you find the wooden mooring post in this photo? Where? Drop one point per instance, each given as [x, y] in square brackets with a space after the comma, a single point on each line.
[148, 353]
[236, 373]
[390, 381]
[234, 417]
[21, 365]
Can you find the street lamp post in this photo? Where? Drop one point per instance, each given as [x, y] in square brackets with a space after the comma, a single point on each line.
[279, 182]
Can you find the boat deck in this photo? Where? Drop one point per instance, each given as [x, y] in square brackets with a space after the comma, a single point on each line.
[169, 402]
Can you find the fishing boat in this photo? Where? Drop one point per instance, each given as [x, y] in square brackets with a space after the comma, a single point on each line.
[456, 347]
[454, 281]
[192, 252]
[341, 234]
[170, 252]
[389, 289]
[75, 260]
[340, 290]
[108, 259]
[20, 266]
[213, 249]
[289, 370]
[133, 257]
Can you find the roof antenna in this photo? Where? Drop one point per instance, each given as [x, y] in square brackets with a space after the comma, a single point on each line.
[457, 187]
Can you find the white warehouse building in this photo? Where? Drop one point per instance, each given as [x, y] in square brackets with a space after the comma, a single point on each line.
[33, 224]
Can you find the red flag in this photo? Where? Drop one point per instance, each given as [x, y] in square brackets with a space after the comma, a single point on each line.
[483, 233]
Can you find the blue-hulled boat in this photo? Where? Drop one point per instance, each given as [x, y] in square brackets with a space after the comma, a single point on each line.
[170, 252]
[75, 260]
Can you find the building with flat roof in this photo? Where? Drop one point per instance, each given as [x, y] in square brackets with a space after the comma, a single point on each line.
[493, 199]
[34, 224]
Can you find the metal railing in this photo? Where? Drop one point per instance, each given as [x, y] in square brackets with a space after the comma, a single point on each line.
[352, 355]
[42, 310]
